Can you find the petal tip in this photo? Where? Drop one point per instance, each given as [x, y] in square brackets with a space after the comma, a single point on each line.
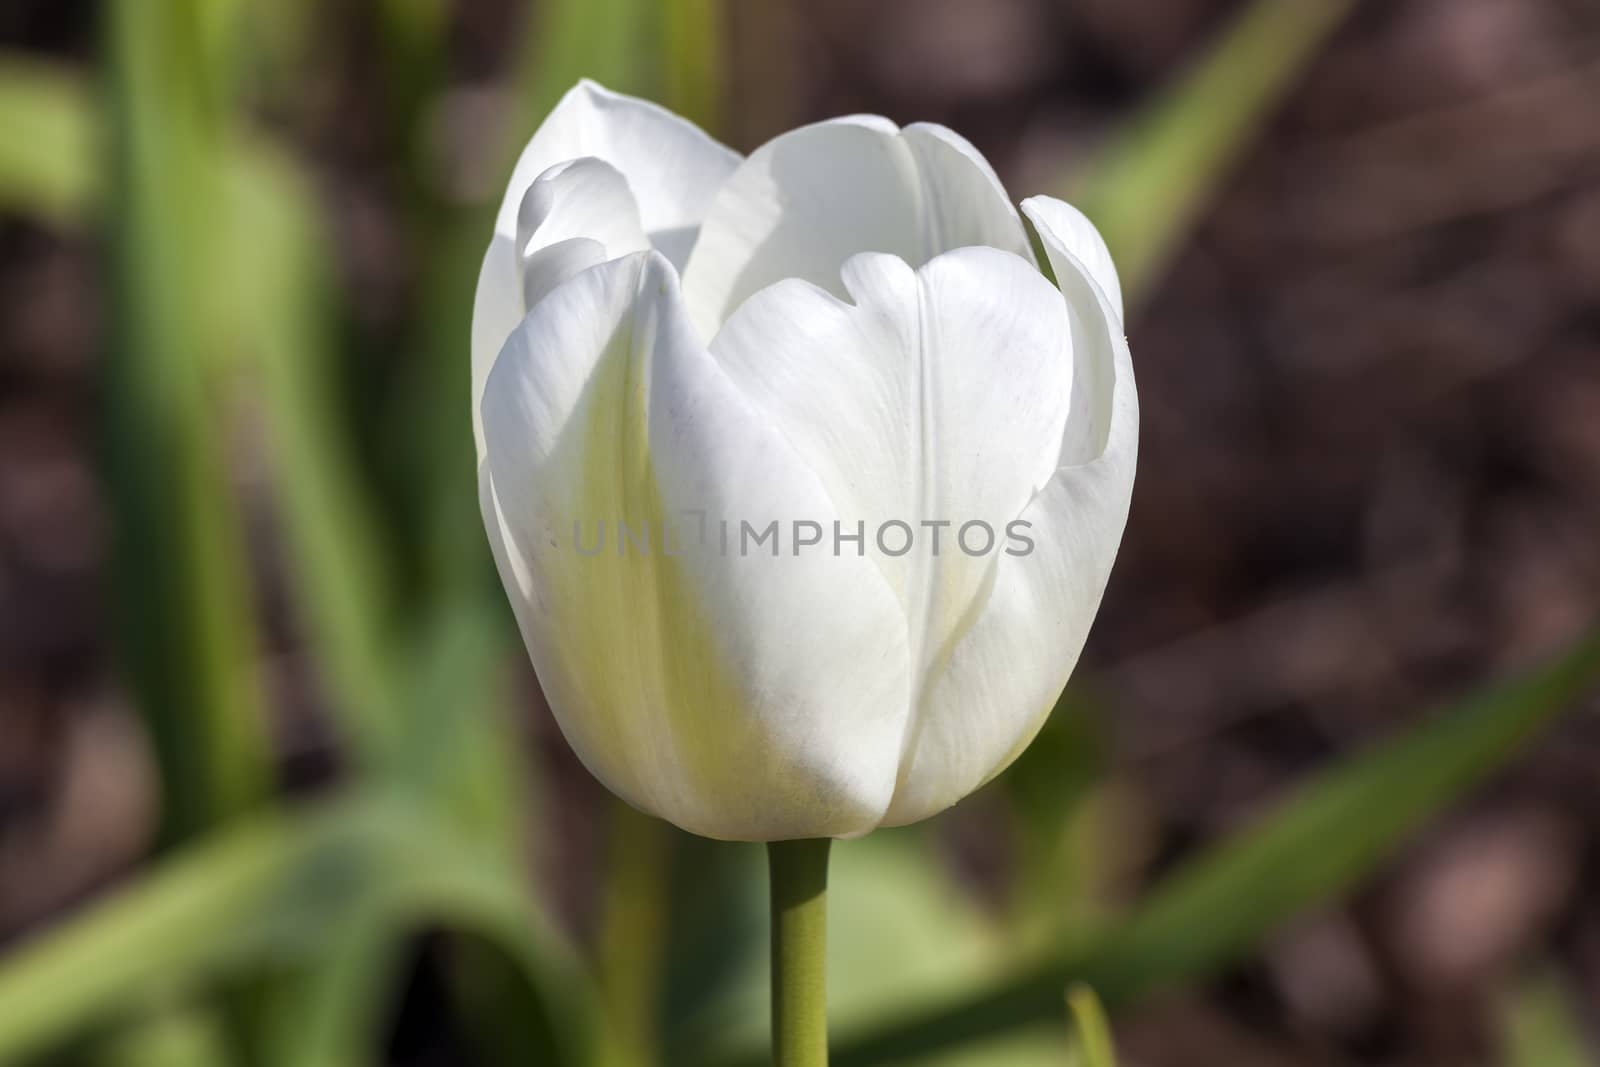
[1067, 231]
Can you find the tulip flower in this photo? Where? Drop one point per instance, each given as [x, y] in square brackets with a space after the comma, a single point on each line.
[849, 327]
[803, 478]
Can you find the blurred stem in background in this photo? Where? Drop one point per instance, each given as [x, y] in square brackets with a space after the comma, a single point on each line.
[695, 33]
[635, 900]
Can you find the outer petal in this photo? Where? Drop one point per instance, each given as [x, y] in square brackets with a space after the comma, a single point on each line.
[939, 397]
[496, 309]
[671, 165]
[742, 696]
[1077, 236]
[1001, 680]
[805, 202]
[1075, 246]
[663, 174]
[574, 215]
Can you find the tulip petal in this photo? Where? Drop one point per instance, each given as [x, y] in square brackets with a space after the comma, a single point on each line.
[805, 202]
[999, 682]
[746, 695]
[574, 215]
[1090, 283]
[668, 168]
[672, 167]
[1076, 236]
[497, 307]
[937, 399]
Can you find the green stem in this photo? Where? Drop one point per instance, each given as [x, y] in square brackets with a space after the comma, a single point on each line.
[633, 930]
[799, 873]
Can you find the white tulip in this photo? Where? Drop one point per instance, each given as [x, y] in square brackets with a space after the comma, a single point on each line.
[849, 327]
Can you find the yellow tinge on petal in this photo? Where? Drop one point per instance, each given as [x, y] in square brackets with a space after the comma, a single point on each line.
[637, 640]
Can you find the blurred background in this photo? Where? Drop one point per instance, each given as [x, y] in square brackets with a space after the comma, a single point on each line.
[276, 783]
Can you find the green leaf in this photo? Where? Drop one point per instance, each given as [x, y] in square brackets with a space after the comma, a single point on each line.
[1147, 188]
[1543, 1027]
[168, 1036]
[47, 142]
[1090, 1031]
[187, 627]
[1069, 835]
[254, 223]
[340, 560]
[611, 41]
[331, 1013]
[1333, 833]
[269, 896]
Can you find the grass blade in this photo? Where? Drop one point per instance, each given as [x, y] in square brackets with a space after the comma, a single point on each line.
[341, 563]
[1146, 189]
[1091, 1033]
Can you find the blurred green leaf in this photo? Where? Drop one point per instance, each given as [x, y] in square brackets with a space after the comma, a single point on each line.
[1146, 189]
[611, 41]
[169, 1036]
[1543, 1028]
[414, 37]
[269, 896]
[266, 242]
[1069, 844]
[331, 1014]
[694, 36]
[47, 142]
[187, 625]
[1334, 832]
[340, 556]
[1090, 1032]
[716, 956]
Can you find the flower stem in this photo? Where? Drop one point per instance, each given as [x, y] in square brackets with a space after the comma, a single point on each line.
[799, 874]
